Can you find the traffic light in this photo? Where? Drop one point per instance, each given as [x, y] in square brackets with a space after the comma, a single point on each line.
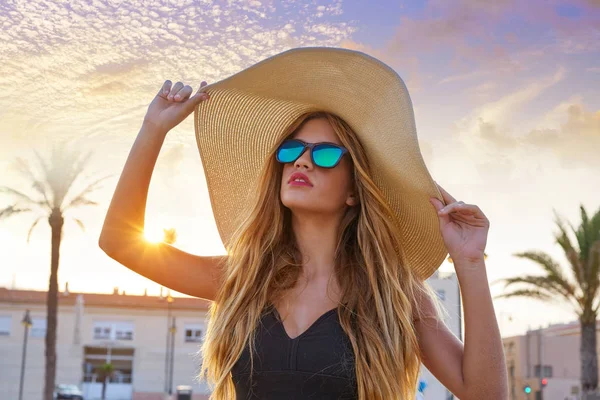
[544, 382]
[527, 389]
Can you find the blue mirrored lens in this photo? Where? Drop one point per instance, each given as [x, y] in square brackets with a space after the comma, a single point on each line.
[289, 151]
[326, 155]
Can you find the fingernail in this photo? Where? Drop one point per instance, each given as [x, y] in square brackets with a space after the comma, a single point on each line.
[177, 96]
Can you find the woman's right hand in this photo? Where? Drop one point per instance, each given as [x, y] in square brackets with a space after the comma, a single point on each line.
[171, 105]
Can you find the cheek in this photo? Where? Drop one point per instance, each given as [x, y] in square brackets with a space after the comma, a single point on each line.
[337, 183]
[286, 171]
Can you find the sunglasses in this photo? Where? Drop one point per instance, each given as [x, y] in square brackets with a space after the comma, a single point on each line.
[323, 154]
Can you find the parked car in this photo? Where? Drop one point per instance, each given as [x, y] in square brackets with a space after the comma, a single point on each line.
[67, 392]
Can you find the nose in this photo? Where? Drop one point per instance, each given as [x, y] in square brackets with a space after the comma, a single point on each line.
[304, 160]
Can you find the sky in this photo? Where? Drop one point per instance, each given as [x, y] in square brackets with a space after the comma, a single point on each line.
[505, 96]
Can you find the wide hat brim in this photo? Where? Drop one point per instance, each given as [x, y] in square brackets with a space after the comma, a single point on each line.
[248, 112]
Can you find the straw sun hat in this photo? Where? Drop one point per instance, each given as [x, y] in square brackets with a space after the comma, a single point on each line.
[248, 112]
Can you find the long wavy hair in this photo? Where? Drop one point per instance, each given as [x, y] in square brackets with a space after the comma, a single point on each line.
[379, 292]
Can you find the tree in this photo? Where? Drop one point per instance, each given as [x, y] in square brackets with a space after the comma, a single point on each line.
[106, 372]
[169, 235]
[580, 289]
[51, 183]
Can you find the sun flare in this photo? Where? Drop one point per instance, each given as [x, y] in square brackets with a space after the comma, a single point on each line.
[153, 234]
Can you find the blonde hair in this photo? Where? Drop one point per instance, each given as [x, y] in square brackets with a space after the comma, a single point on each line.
[380, 293]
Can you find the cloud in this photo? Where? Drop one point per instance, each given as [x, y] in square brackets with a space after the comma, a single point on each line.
[463, 30]
[502, 109]
[475, 39]
[90, 69]
[488, 142]
[575, 142]
[406, 66]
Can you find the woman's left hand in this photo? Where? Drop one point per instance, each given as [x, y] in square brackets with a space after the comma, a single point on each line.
[464, 229]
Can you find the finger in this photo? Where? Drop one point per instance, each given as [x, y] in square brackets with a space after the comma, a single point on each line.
[183, 94]
[200, 96]
[175, 89]
[437, 203]
[202, 84]
[447, 196]
[458, 207]
[166, 87]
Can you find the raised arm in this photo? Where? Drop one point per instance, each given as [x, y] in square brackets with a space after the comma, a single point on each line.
[122, 233]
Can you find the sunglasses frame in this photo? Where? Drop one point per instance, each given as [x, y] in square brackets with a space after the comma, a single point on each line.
[311, 146]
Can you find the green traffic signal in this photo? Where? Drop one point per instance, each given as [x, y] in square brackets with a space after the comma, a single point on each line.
[527, 389]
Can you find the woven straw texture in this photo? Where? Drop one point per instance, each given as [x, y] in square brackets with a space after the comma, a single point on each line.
[248, 112]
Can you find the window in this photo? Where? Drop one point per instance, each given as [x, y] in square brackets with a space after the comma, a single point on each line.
[5, 322]
[102, 330]
[107, 330]
[124, 331]
[547, 371]
[510, 346]
[193, 333]
[38, 327]
[441, 294]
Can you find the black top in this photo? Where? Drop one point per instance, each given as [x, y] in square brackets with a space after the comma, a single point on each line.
[318, 364]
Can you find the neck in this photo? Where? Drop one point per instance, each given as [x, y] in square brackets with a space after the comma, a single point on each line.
[316, 237]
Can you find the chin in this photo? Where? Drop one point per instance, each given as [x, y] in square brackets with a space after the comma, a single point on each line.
[299, 203]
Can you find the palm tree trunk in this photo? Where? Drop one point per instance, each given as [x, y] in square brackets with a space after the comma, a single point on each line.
[589, 355]
[56, 221]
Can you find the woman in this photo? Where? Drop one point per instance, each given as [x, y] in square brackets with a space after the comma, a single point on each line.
[321, 293]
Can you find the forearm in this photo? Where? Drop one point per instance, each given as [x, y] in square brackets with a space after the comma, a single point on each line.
[484, 365]
[126, 213]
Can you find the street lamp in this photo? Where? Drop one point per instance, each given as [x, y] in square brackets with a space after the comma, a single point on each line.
[167, 355]
[27, 324]
[172, 332]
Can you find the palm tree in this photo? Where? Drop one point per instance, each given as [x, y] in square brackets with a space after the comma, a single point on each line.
[580, 289]
[106, 371]
[50, 198]
[169, 235]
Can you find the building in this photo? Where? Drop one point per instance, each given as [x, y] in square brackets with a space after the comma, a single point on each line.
[128, 331]
[131, 332]
[554, 348]
[447, 288]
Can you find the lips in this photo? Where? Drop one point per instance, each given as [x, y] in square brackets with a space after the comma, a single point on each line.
[299, 179]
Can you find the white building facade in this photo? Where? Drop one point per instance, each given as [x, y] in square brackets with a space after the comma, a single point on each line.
[447, 288]
[129, 332]
[133, 334]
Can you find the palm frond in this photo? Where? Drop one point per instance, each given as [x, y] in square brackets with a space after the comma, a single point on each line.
[32, 227]
[24, 169]
[81, 200]
[594, 261]
[593, 237]
[66, 166]
[169, 235]
[21, 196]
[80, 223]
[12, 210]
[531, 293]
[572, 254]
[546, 284]
[552, 269]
